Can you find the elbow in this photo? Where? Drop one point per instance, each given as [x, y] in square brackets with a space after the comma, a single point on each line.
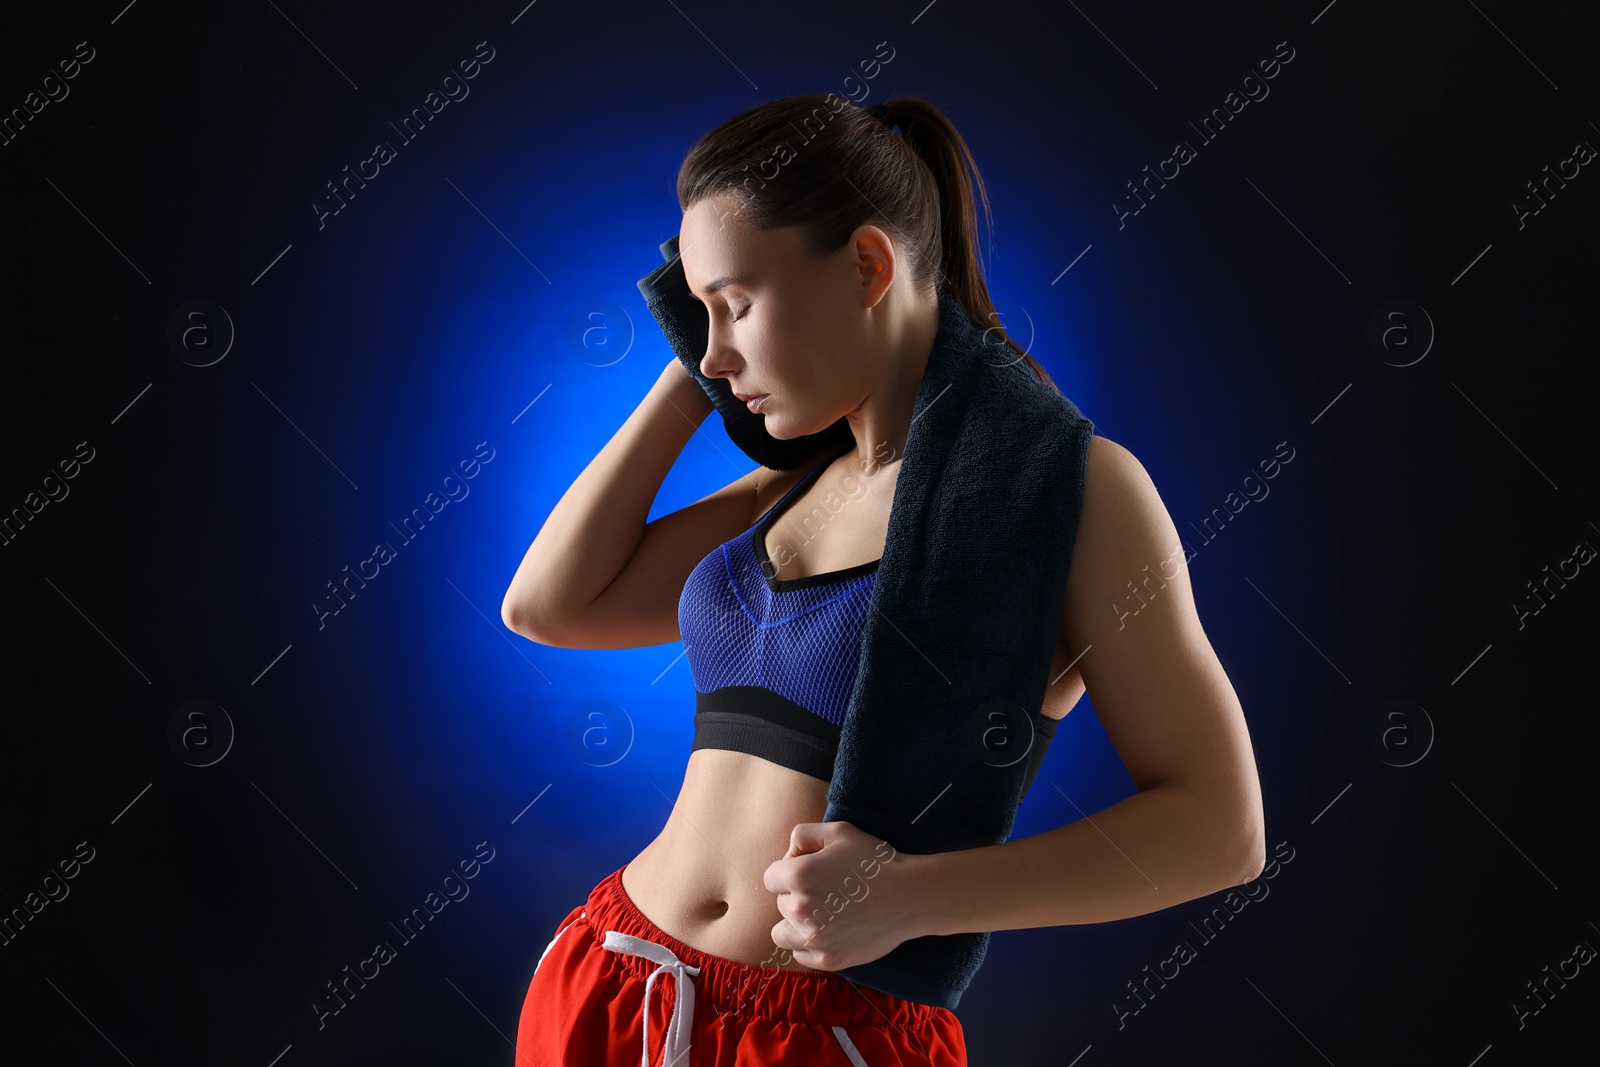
[1237, 852]
[525, 620]
[1255, 863]
[516, 616]
[1250, 852]
[1245, 847]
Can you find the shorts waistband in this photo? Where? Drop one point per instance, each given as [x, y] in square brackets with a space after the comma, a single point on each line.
[731, 987]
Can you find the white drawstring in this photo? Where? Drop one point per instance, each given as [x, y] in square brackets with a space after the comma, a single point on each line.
[676, 1044]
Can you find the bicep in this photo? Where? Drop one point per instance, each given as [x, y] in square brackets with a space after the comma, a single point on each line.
[640, 606]
[1151, 674]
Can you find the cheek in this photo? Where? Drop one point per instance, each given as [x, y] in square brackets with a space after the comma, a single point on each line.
[792, 343]
[795, 371]
[793, 356]
[771, 350]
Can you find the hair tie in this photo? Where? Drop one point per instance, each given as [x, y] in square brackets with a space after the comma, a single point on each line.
[881, 113]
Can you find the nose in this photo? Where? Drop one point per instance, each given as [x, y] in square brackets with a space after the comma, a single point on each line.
[718, 361]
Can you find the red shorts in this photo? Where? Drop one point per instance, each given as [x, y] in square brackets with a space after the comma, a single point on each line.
[612, 985]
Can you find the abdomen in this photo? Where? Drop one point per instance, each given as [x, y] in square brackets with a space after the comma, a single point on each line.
[700, 880]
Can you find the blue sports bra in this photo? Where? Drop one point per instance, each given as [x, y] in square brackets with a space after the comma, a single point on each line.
[774, 660]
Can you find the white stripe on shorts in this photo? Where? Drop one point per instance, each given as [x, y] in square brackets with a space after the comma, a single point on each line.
[553, 940]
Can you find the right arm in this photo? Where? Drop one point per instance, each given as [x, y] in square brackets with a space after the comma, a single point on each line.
[597, 576]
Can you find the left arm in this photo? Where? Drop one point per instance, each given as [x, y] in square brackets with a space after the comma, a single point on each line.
[1195, 825]
[1193, 828]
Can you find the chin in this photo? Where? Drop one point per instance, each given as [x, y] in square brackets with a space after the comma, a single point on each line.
[779, 428]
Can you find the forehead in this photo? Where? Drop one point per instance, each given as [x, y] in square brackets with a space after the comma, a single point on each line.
[713, 235]
[715, 240]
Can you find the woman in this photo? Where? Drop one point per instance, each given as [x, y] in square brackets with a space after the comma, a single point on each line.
[820, 280]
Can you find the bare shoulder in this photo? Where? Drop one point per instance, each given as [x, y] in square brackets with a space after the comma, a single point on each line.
[1125, 541]
[1120, 500]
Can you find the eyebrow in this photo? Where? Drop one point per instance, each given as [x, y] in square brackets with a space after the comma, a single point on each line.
[725, 281]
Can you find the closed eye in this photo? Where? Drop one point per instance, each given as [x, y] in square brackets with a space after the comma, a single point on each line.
[741, 315]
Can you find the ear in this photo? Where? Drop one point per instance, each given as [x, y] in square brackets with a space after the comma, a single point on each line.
[876, 260]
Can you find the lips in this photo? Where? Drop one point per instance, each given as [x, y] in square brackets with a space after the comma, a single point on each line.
[753, 401]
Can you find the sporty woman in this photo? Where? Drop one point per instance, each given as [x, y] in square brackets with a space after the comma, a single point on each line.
[820, 272]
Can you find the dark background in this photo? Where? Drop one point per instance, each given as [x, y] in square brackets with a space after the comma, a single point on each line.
[369, 356]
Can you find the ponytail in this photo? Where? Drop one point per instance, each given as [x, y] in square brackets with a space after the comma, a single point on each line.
[940, 146]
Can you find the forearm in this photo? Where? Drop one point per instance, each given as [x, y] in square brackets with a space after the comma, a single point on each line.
[1160, 847]
[594, 528]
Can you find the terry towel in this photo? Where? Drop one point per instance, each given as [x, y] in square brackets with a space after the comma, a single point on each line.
[964, 611]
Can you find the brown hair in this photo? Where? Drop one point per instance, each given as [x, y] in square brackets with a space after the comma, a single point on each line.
[837, 167]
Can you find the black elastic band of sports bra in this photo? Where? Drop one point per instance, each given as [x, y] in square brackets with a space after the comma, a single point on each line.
[1045, 730]
[757, 721]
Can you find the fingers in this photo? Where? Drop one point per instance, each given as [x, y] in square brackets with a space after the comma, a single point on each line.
[806, 837]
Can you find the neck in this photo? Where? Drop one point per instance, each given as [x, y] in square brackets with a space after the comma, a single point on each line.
[882, 422]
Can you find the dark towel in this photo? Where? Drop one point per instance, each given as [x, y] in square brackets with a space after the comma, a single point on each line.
[966, 605]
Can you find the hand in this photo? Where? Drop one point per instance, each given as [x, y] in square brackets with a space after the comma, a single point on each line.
[686, 393]
[845, 896]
